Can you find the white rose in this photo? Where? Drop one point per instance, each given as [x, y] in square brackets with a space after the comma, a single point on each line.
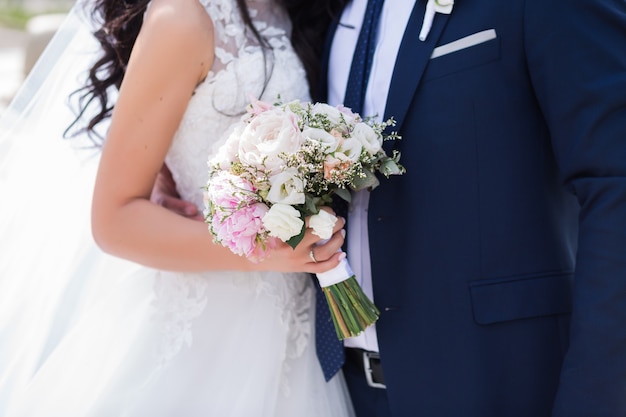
[351, 148]
[334, 115]
[267, 136]
[283, 221]
[322, 224]
[371, 141]
[286, 188]
[321, 136]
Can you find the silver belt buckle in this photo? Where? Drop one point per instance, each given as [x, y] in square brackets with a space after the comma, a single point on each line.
[369, 373]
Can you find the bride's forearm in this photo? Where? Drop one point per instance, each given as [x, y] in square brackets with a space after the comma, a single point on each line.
[186, 245]
[178, 243]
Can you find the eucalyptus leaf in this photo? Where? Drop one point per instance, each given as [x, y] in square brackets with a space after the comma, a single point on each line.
[368, 181]
[344, 194]
[311, 204]
[390, 167]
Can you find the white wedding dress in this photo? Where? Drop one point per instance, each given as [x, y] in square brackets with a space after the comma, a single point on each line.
[118, 339]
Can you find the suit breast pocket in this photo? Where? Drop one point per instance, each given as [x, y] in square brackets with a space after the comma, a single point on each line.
[463, 54]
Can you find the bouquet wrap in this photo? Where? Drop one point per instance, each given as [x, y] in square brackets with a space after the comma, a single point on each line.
[351, 310]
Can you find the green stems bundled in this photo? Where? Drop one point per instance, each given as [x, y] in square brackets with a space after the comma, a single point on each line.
[351, 310]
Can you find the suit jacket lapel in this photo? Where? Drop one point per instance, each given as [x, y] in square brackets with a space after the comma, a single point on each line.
[413, 56]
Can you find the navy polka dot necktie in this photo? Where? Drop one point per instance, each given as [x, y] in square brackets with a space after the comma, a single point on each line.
[329, 348]
[363, 57]
[327, 345]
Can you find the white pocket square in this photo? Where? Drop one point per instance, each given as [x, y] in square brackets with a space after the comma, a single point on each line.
[463, 43]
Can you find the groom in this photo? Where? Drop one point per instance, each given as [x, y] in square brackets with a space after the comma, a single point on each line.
[498, 260]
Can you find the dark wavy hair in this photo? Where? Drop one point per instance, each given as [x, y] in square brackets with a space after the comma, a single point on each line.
[121, 21]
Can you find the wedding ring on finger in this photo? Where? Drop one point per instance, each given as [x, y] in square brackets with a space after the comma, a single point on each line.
[312, 256]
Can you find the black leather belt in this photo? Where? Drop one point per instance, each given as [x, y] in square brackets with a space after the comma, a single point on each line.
[369, 363]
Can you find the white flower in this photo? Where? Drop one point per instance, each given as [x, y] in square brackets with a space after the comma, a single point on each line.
[432, 7]
[286, 187]
[351, 148]
[335, 116]
[227, 153]
[349, 116]
[369, 139]
[322, 224]
[267, 136]
[320, 135]
[283, 221]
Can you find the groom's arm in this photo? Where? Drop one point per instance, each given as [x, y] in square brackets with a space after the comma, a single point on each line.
[579, 74]
[164, 193]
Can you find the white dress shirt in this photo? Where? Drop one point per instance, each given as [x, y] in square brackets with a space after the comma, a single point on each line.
[393, 21]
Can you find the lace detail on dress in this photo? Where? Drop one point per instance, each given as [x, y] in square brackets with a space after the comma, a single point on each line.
[240, 71]
[179, 298]
[293, 295]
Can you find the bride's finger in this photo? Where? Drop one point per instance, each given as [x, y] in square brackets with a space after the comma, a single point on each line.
[322, 252]
[327, 265]
[311, 238]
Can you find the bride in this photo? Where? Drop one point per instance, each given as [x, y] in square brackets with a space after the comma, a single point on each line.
[180, 326]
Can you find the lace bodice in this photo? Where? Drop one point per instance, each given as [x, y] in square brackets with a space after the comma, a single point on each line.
[240, 71]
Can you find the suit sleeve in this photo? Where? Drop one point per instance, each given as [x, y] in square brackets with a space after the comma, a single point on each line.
[576, 52]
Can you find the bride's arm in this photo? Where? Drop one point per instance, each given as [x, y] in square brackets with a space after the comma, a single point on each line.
[172, 54]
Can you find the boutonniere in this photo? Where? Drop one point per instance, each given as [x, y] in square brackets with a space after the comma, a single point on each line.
[432, 7]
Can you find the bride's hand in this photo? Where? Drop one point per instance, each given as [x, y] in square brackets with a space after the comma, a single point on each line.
[310, 255]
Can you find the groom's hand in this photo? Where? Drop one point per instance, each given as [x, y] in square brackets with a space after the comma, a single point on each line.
[164, 194]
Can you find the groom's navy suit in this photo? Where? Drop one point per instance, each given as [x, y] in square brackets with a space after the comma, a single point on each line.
[499, 258]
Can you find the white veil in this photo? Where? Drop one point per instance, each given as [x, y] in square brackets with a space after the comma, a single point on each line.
[49, 265]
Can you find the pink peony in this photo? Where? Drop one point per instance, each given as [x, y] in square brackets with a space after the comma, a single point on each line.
[226, 191]
[241, 230]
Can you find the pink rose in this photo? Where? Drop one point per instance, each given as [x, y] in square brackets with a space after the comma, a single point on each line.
[335, 166]
[257, 106]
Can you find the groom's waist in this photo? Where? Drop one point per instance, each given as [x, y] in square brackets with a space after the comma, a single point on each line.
[369, 363]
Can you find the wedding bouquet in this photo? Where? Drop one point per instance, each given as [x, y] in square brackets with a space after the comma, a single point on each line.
[281, 164]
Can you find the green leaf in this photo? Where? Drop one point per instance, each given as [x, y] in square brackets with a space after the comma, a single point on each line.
[344, 194]
[311, 204]
[294, 241]
[390, 167]
[368, 181]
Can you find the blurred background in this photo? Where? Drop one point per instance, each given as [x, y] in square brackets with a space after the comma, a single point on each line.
[26, 26]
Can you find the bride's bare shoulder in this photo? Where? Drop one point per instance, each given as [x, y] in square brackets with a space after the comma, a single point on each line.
[178, 17]
[178, 30]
